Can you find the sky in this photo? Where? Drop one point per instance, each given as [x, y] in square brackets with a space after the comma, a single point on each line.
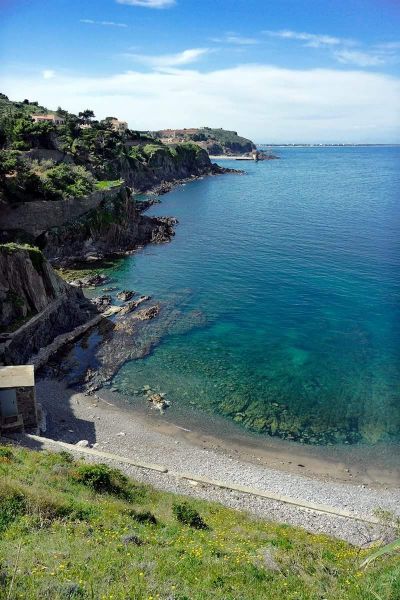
[290, 71]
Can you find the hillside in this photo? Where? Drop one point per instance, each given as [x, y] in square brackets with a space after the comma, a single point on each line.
[214, 141]
[71, 530]
[80, 169]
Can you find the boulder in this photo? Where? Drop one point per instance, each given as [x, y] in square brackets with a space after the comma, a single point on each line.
[125, 295]
[102, 301]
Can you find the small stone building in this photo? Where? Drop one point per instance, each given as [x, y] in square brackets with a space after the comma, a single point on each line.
[18, 408]
[49, 119]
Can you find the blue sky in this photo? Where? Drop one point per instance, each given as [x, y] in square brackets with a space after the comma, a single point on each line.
[292, 70]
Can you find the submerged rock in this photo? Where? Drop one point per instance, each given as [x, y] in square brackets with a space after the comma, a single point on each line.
[131, 306]
[125, 295]
[159, 401]
[148, 313]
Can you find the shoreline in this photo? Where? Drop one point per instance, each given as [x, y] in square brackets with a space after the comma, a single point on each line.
[353, 463]
[146, 436]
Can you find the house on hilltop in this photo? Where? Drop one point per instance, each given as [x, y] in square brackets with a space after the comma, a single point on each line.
[117, 125]
[55, 119]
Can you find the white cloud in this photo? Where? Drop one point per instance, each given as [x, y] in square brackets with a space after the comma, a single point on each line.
[361, 59]
[105, 23]
[149, 3]
[48, 74]
[237, 40]
[388, 46]
[169, 60]
[263, 102]
[312, 40]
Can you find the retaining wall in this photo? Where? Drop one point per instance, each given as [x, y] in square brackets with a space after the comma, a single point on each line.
[38, 216]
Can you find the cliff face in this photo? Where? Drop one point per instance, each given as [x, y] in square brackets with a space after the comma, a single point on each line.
[163, 166]
[114, 227]
[30, 290]
[153, 165]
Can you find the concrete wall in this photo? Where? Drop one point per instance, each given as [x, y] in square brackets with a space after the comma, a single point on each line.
[38, 216]
[26, 403]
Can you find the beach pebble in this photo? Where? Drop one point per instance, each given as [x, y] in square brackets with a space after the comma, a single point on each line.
[82, 443]
[121, 433]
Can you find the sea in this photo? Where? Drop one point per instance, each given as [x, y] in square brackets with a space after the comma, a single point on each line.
[292, 270]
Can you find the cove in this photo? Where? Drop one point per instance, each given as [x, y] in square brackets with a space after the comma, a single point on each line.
[294, 270]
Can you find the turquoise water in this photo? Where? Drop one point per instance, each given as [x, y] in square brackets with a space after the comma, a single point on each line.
[294, 269]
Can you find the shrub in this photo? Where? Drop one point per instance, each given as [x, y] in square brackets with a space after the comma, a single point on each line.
[6, 454]
[103, 479]
[187, 515]
[12, 505]
[144, 517]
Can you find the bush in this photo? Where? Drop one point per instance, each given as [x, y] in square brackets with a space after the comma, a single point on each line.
[6, 454]
[103, 479]
[65, 181]
[144, 517]
[12, 505]
[187, 515]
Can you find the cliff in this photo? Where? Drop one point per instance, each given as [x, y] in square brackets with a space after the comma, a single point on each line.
[35, 298]
[114, 227]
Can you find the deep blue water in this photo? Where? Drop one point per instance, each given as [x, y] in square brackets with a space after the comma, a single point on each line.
[295, 268]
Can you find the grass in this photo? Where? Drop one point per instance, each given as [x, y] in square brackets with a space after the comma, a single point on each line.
[106, 185]
[72, 531]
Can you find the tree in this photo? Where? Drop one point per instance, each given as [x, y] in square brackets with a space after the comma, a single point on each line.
[86, 115]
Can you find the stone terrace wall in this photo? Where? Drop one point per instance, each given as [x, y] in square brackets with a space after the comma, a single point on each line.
[26, 403]
[38, 216]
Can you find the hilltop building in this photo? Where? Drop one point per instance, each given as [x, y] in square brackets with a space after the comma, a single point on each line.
[117, 125]
[55, 119]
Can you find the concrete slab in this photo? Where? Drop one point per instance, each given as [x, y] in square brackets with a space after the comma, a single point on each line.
[17, 376]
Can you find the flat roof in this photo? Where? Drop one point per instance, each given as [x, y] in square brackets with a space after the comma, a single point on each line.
[17, 376]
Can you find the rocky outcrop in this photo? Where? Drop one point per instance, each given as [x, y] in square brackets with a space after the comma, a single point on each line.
[115, 227]
[163, 167]
[31, 291]
[214, 141]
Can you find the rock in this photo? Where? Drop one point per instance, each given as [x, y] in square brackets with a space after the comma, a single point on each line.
[131, 538]
[82, 444]
[102, 301]
[121, 433]
[131, 306]
[269, 561]
[93, 280]
[125, 295]
[158, 402]
[148, 313]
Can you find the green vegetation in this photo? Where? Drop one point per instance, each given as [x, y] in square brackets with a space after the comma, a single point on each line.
[48, 161]
[215, 140]
[71, 530]
[106, 185]
[24, 179]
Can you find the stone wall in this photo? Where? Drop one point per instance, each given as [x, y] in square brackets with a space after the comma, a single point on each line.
[26, 404]
[38, 216]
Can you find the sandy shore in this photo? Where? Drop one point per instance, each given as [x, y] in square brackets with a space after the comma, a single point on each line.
[149, 437]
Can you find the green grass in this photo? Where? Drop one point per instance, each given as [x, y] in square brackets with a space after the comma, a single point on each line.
[69, 531]
[106, 185]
